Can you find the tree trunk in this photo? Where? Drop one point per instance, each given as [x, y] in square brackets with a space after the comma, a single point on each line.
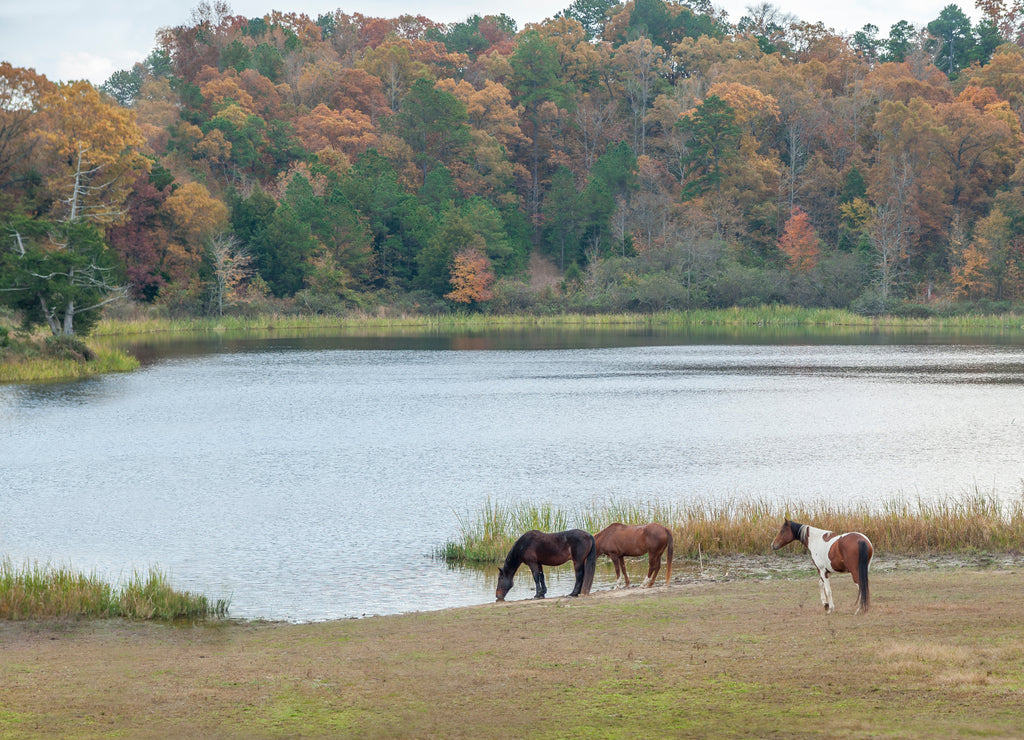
[69, 318]
[50, 318]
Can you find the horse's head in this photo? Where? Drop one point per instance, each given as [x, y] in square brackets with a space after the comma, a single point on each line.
[785, 535]
[504, 585]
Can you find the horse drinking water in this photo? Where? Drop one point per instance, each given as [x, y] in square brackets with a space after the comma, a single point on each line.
[550, 548]
[832, 553]
[619, 541]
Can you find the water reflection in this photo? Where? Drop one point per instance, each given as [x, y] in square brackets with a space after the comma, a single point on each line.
[312, 478]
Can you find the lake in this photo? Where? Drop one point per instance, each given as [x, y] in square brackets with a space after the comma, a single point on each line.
[313, 478]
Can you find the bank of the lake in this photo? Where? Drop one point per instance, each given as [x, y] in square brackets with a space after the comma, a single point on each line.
[939, 655]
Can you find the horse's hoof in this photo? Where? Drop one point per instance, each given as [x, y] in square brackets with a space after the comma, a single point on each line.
[499, 599]
[539, 596]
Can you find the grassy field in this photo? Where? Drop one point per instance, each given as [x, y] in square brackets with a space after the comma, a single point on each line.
[940, 655]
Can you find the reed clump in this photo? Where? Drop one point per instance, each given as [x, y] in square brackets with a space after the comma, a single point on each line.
[975, 522]
[34, 591]
[489, 536]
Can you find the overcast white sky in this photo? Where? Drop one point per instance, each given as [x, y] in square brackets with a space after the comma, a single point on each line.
[73, 40]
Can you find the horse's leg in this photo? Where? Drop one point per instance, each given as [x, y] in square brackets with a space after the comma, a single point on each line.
[860, 604]
[826, 593]
[621, 565]
[653, 566]
[618, 575]
[580, 572]
[538, 578]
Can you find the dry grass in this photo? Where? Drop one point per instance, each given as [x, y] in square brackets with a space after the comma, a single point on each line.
[940, 655]
[971, 523]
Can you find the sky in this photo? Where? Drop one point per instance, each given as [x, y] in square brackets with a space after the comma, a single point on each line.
[73, 40]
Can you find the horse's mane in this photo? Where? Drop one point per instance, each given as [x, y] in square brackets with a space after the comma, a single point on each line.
[799, 531]
[515, 556]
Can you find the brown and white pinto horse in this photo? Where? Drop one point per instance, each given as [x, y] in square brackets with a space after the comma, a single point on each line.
[832, 553]
[537, 548]
[619, 541]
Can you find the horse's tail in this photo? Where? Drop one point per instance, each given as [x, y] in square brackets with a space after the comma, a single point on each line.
[589, 567]
[863, 558]
[669, 555]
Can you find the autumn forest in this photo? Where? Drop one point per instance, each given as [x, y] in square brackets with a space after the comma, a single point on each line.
[618, 157]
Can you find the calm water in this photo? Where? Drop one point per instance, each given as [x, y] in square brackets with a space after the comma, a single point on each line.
[312, 479]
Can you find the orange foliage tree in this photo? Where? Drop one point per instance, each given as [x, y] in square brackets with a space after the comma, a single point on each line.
[472, 277]
[800, 242]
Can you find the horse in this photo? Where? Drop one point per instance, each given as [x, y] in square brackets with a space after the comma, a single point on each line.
[550, 548]
[618, 541]
[832, 553]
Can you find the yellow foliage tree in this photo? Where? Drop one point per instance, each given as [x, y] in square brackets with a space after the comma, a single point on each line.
[196, 217]
[91, 153]
[970, 276]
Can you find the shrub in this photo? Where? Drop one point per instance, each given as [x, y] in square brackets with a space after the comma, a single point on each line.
[68, 347]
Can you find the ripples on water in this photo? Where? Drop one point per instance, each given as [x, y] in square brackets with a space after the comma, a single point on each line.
[314, 482]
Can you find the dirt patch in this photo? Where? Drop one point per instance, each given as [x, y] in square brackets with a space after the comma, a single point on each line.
[938, 655]
[543, 273]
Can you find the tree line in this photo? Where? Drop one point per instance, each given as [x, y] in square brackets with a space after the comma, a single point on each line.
[654, 153]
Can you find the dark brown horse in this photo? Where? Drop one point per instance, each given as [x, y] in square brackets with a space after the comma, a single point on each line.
[832, 553]
[619, 541]
[550, 548]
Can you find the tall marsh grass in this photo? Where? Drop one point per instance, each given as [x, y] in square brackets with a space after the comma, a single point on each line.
[35, 591]
[776, 316]
[971, 523]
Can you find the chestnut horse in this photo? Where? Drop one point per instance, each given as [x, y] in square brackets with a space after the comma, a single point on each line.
[550, 548]
[832, 553]
[619, 541]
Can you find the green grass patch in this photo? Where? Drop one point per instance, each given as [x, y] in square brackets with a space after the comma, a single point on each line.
[968, 524]
[35, 591]
[37, 359]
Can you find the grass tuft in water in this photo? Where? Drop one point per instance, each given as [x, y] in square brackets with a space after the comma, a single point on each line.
[35, 591]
